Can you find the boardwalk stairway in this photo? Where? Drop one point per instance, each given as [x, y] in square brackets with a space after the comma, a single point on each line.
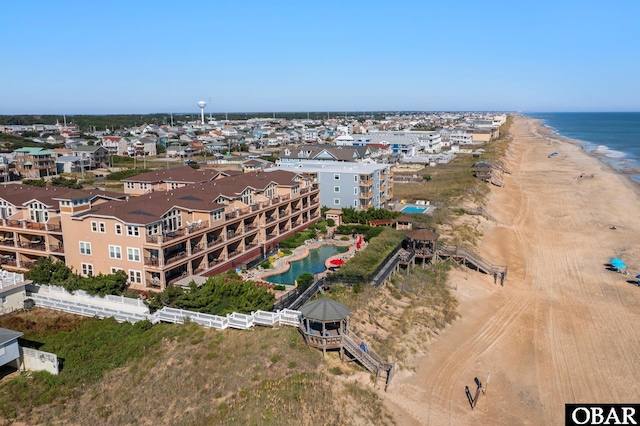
[369, 359]
[469, 258]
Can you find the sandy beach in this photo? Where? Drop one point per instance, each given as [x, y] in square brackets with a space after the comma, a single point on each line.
[563, 329]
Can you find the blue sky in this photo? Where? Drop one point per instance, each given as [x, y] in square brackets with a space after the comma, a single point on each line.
[139, 56]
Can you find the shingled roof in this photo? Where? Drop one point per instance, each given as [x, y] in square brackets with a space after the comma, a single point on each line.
[149, 208]
[184, 174]
[20, 194]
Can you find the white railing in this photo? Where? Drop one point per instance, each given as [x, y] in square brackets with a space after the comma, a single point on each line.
[134, 310]
[240, 321]
[265, 318]
[85, 309]
[8, 279]
[178, 316]
[290, 317]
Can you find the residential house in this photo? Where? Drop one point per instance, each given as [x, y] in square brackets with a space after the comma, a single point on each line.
[71, 164]
[34, 163]
[95, 155]
[324, 153]
[255, 165]
[116, 145]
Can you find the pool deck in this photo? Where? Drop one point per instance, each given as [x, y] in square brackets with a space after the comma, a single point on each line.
[282, 264]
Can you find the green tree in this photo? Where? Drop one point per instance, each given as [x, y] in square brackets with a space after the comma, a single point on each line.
[35, 182]
[304, 281]
[46, 271]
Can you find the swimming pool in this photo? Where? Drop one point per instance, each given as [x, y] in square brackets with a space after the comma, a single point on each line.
[415, 209]
[313, 263]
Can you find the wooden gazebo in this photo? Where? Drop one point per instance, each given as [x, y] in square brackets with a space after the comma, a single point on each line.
[324, 323]
[423, 243]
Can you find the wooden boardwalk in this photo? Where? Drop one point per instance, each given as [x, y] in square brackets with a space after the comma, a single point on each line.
[471, 259]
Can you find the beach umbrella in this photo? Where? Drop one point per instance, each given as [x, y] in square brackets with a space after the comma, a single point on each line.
[615, 260]
[638, 277]
[337, 262]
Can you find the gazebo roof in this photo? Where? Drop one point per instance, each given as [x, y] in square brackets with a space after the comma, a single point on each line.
[325, 309]
[422, 234]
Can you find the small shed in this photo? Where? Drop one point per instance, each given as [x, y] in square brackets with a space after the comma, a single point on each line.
[404, 222]
[9, 350]
[334, 214]
[324, 322]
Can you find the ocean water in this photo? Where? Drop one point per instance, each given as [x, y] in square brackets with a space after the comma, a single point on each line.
[613, 136]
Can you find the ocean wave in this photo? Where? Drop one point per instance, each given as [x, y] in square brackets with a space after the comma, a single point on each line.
[608, 152]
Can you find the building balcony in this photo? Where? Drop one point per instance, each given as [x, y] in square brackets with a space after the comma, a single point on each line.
[56, 248]
[173, 258]
[34, 245]
[151, 261]
[197, 248]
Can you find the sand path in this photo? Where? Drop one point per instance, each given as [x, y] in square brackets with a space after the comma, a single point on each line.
[564, 328]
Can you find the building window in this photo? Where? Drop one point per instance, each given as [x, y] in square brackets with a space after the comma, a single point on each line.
[115, 269]
[295, 189]
[133, 231]
[94, 226]
[143, 186]
[153, 229]
[87, 269]
[115, 252]
[355, 191]
[3, 300]
[355, 203]
[85, 248]
[133, 254]
[174, 185]
[217, 215]
[135, 277]
[130, 185]
[336, 201]
[98, 227]
[336, 177]
[336, 189]
[118, 229]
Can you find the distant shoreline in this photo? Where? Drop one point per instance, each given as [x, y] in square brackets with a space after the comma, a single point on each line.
[552, 135]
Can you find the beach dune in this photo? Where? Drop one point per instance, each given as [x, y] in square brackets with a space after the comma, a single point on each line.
[564, 328]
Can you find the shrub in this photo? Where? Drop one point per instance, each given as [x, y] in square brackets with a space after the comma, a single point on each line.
[280, 287]
[304, 281]
[219, 295]
[266, 265]
[331, 222]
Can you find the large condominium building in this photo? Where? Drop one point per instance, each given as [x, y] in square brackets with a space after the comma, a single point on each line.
[342, 184]
[30, 223]
[197, 229]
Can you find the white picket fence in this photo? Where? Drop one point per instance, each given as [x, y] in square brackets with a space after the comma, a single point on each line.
[134, 310]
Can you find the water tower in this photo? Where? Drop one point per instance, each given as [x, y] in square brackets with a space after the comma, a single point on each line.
[201, 105]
